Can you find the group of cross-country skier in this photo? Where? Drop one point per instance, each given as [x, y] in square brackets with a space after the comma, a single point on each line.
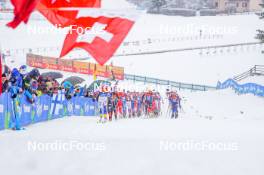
[113, 104]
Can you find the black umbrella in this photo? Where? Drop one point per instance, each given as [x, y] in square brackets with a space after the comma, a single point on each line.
[74, 80]
[53, 75]
[34, 73]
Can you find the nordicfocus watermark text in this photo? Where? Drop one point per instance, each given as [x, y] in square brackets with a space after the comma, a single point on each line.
[65, 146]
[97, 29]
[191, 29]
[192, 145]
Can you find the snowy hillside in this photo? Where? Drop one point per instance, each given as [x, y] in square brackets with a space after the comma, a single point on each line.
[200, 66]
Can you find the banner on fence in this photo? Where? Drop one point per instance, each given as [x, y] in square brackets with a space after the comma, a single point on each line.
[45, 108]
[50, 63]
[247, 88]
[35, 61]
[81, 67]
[66, 65]
[101, 71]
[74, 66]
[118, 72]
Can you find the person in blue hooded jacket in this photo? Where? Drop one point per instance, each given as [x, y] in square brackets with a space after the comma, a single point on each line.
[33, 75]
[175, 104]
[23, 71]
[18, 77]
[69, 89]
[31, 91]
[14, 91]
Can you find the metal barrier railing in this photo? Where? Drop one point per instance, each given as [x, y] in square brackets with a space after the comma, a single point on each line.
[179, 85]
[256, 70]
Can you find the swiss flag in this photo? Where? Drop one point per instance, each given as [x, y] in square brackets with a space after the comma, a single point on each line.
[22, 11]
[100, 36]
[59, 12]
[57, 17]
[71, 3]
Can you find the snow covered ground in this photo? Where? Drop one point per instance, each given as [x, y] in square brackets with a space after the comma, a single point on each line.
[135, 146]
[216, 133]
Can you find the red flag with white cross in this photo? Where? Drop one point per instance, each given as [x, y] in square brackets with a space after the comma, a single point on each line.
[63, 12]
[22, 11]
[72, 3]
[50, 9]
[100, 36]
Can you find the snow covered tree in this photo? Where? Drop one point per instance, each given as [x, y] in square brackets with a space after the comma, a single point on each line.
[157, 4]
[260, 34]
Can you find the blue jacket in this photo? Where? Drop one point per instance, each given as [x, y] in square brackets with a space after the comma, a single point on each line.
[14, 91]
[18, 77]
[174, 104]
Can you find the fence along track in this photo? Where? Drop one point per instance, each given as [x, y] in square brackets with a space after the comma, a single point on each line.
[179, 85]
[257, 70]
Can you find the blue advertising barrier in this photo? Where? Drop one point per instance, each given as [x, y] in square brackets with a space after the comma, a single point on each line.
[89, 107]
[3, 110]
[69, 106]
[25, 112]
[45, 108]
[247, 88]
[40, 109]
[56, 107]
[78, 106]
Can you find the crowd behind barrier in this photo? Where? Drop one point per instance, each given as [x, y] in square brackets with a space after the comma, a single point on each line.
[43, 109]
[248, 88]
[30, 97]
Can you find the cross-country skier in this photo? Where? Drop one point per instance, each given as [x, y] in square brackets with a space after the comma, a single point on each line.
[134, 105]
[128, 102]
[102, 104]
[139, 105]
[119, 108]
[174, 104]
[110, 107]
[148, 103]
[115, 103]
[157, 99]
[124, 105]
